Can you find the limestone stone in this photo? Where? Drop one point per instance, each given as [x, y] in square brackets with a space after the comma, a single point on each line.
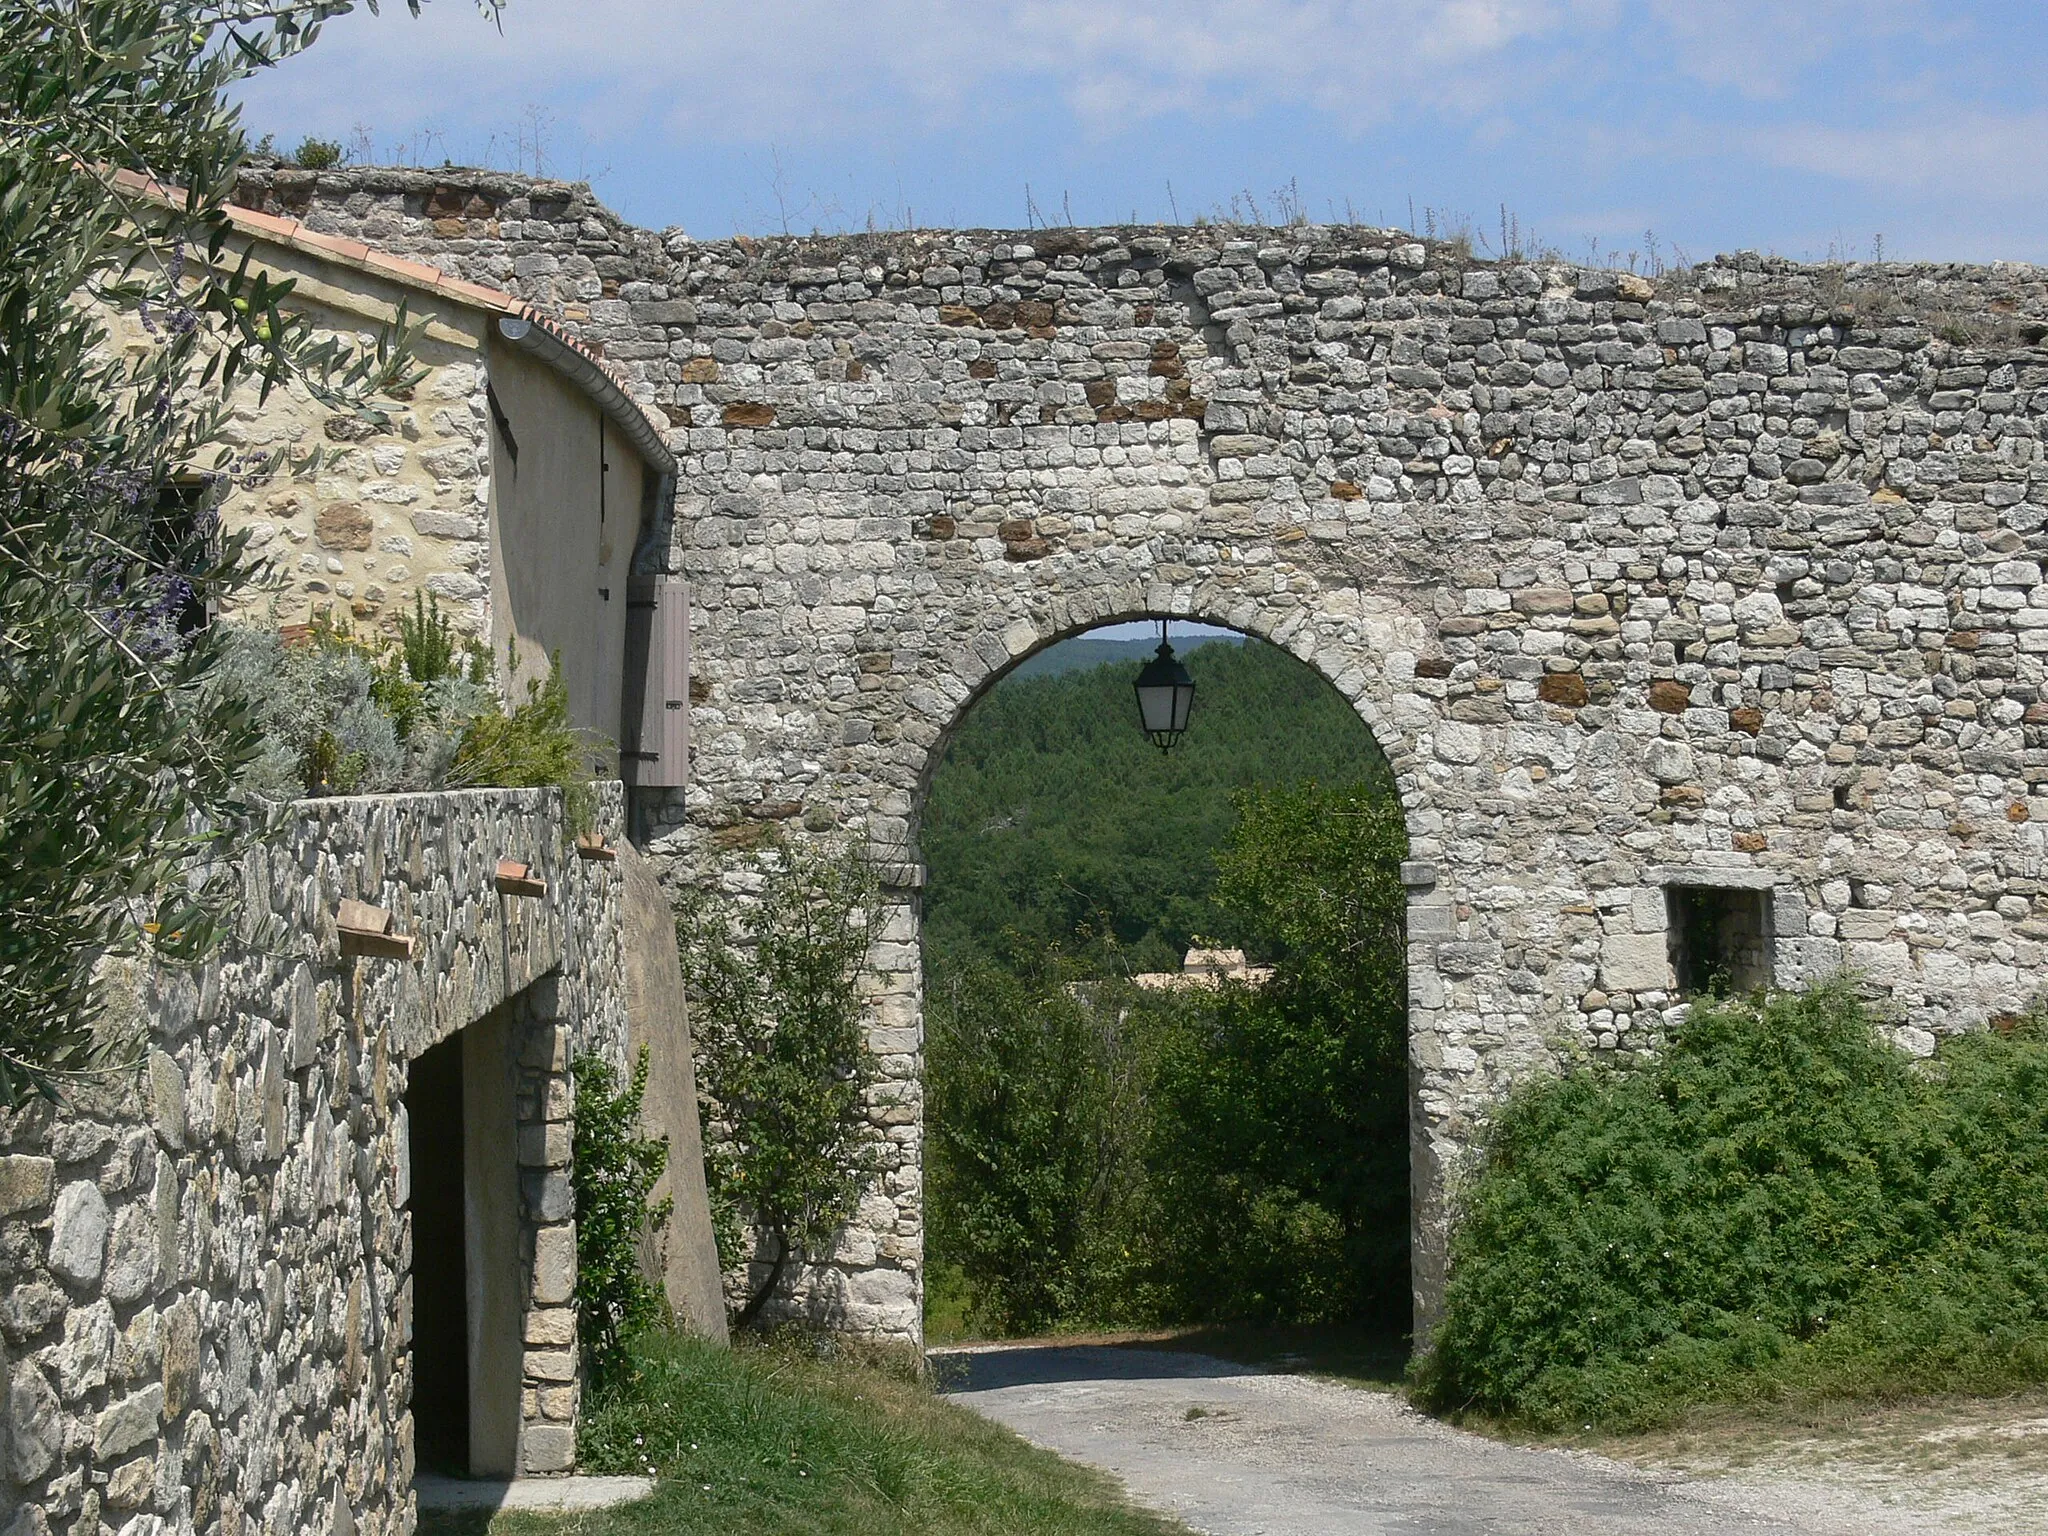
[167, 1098]
[35, 1424]
[131, 1264]
[1634, 962]
[181, 1358]
[80, 1363]
[78, 1233]
[128, 1423]
[554, 1265]
[26, 1183]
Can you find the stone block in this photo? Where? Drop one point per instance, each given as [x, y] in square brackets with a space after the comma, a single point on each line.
[1632, 962]
[130, 1485]
[26, 1183]
[551, 1327]
[554, 1265]
[1866, 923]
[78, 1233]
[1649, 910]
[167, 1098]
[550, 1365]
[129, 1423]
[1437, 920]
[181, 1358]
[131, 1264]
[35, 1424]
[548, 1449]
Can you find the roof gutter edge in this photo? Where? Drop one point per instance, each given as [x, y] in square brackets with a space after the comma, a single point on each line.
[531, 336]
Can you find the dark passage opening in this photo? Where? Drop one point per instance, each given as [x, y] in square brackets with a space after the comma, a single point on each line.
[440, 1317]
[1720, 939]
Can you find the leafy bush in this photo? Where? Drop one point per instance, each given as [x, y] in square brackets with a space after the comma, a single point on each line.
[782, 1054]
[535, 746]
[339, 718]
[1034, 1169]
[343, 716]
[1278, 1146]
[615, 1169]
[318, 154]
[1777, 1204]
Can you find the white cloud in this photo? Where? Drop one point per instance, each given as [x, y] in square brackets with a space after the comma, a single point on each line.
[807, 70]
[1984, 155]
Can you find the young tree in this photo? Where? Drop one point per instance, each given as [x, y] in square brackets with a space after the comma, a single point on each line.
[118, 766]
[780, 1029]
[1279, 1155]
[1035, 1125]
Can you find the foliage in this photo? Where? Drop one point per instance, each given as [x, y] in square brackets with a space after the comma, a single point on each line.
[1101, 1154]
[427, 644]
[782, 1052]
[1278, 1149]
[816, 1438]
[1777, 1204]
[317, 154]
[615, 1169]
[339, 716]
[1051, 817]
[1034, 1167]
[118, 771]
[535, 746]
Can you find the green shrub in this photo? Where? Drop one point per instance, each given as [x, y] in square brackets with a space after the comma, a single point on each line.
[1776, 1204]
[1278, 1150]
[1105, 1155]
[318, 154]
[339, 715]
[1034, 1167]
[615, 1169]
[534, 747]
[782, 1054]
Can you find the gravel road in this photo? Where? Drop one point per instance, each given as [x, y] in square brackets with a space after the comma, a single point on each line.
[1237, 1451]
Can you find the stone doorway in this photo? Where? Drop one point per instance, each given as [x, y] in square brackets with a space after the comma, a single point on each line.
[468, 1273]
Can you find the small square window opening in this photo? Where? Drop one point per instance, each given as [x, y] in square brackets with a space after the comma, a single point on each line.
[1720, 939]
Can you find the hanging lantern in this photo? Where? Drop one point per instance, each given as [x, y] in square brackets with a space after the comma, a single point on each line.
[1166, 696]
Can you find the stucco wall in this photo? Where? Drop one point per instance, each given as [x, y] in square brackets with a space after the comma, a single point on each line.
[204, 1262]
[1729, 577]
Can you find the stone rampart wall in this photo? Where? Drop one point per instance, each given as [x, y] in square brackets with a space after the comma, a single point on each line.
[205, 1260]
[1729, 578]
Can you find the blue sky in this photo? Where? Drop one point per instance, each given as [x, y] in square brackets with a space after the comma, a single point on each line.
[1804, 127]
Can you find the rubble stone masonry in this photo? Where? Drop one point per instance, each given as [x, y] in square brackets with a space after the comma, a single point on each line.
[206, 1259]
[1729, 577]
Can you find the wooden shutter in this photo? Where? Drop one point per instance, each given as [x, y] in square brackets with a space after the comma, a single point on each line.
[655, 730]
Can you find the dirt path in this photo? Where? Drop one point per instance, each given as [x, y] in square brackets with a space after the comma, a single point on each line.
[1237, 1451]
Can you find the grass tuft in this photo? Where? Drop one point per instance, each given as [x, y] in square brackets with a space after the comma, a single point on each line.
[815, 1437]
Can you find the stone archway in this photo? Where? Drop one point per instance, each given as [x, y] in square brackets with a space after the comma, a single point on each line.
[1355, 662]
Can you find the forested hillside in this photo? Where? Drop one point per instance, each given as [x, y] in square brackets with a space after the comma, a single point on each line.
[1052, 819]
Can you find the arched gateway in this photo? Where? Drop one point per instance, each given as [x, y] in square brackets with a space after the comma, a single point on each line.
[1702, 619]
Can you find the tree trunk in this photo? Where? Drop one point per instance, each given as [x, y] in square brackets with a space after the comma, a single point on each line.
[759, 1299]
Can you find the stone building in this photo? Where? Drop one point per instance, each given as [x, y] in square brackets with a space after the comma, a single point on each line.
[518, 486]
[1701, 615]
[1709, 603]
[320, 1236]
